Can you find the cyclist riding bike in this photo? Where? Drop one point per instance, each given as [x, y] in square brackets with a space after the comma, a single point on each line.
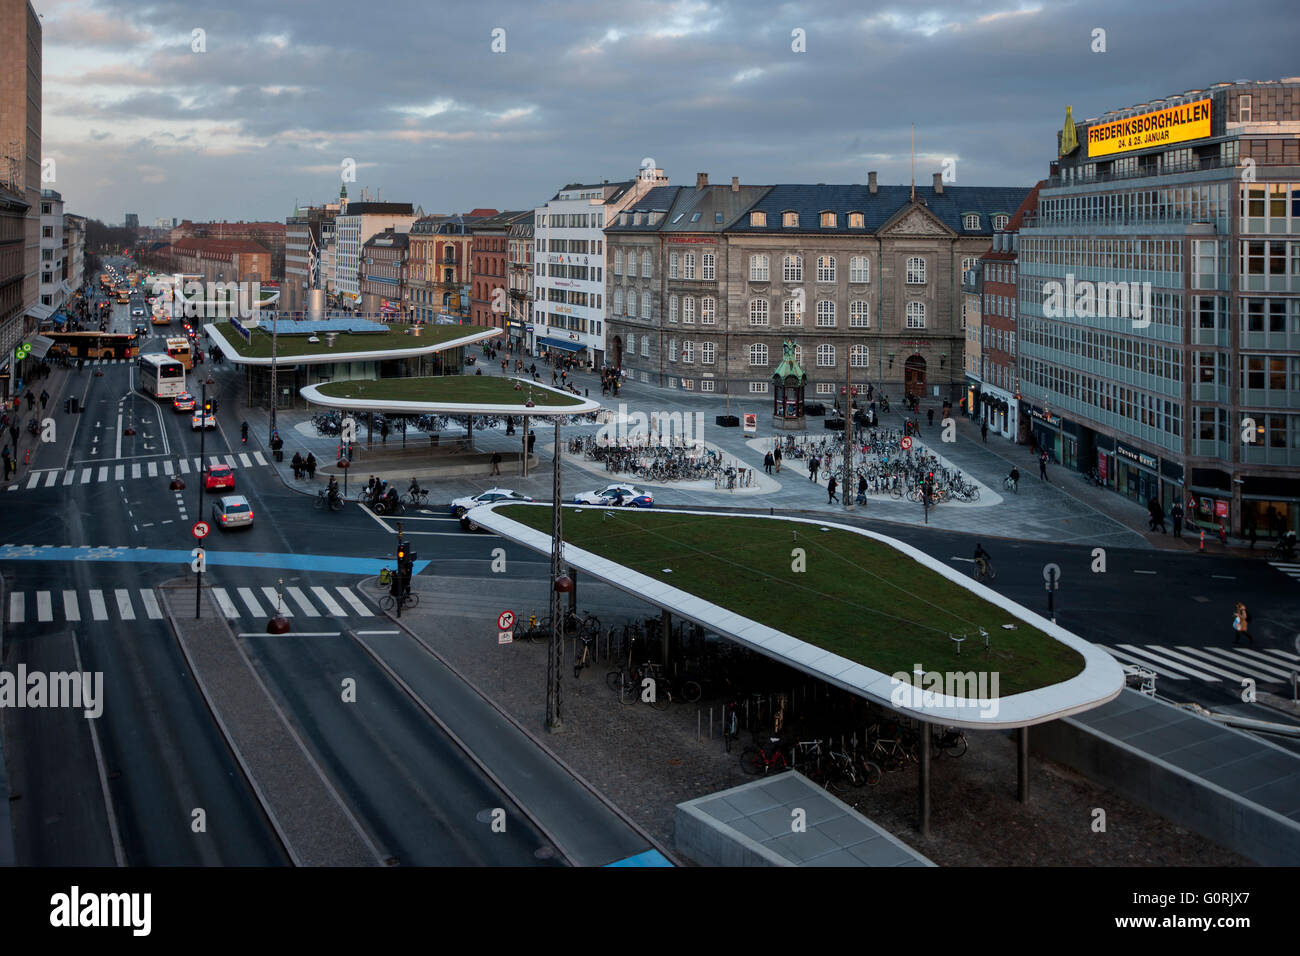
[332, 490]
[983, 561]
[1014, 478]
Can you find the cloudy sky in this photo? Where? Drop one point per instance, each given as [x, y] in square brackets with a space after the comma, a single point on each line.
[284, 92]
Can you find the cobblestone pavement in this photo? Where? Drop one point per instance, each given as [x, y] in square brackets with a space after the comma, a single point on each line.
[647, 761]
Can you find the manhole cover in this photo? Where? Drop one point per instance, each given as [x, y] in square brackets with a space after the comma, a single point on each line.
[674, 761]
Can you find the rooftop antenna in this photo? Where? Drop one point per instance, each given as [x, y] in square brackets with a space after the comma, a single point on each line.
[913, 162]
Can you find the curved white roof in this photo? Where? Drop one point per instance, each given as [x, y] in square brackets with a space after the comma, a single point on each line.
[328, 355]
[313, 394]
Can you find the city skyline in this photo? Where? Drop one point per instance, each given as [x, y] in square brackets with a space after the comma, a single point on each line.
[694, 86]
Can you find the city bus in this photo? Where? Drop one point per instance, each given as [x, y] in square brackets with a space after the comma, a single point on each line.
[95, 345]
[179, 349]
[160, 375]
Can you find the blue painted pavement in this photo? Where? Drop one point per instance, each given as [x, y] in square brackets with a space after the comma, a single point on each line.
[341, 564]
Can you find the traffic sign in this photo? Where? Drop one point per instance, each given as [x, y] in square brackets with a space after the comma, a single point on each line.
[906, 443]
[201, 529]
[505, 637]
[505, 620]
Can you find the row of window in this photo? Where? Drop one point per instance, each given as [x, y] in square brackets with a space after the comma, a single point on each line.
[829, 220]
[1167, 204]
[1161, 361]
[569, 220]
[1129, 404]
[577, 247]
[859, 313]
[792, 269]
[759, 355]
[1001, 339]
[1275, 201]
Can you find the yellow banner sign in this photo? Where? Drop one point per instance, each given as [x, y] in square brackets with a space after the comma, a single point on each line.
[1177, 124]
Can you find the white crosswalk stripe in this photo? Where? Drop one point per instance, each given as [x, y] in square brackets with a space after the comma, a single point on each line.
[119, 472]
[185, 466]
[276, 601]
[49, 482]
[31, 482]
[153, 469]
[1290, 570]
[67, 479]
[85, 476]
[135, 471]
[168, 469]
[245, 460]
[1219, 664]
[148, 469]
[260, 460]
[118, 604]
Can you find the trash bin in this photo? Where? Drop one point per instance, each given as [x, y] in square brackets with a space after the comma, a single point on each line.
[385, 576]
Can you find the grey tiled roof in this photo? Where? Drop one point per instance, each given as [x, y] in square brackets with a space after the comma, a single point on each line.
[809, 201]
[659, 199]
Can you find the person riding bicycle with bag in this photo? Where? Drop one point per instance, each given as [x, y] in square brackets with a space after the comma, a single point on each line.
[1014, 478]
[332, 490]
[982, 560]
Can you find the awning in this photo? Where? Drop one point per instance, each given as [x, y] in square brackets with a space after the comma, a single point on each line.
[40, 311]
[40, 345]
[563, 344]
[65, 288]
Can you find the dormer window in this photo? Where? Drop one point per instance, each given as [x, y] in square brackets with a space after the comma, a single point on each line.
[790, 220]
[757, 218]
[857, 220]
[828, 220]
[678, 218]
[636, 219]
[970, 220]
[695, 217]
[1000, 221]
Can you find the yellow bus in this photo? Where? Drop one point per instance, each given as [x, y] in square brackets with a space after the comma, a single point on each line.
[179, 349]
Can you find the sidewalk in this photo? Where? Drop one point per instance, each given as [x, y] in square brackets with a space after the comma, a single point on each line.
[57, 385]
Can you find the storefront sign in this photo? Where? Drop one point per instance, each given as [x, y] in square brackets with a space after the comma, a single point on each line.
[1137, 457]
[1221, 509]
[708, 239]
[1177, 124]
[915, 343]
[1046, 417]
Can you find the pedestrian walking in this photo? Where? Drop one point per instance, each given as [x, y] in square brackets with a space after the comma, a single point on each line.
[13, 436]
[1157, 513]
[767, 463]
[929, 416]
[1241, 624]
[496, 463]
[776, 459]
[31, 400]
[310, 464]
[45, 399]
[830, 490]
[555, 379]
[984, 432]
[296, 464]
[532, 440]
[812, 468]
[1176, 515]
[510, 423]
[1042, 467]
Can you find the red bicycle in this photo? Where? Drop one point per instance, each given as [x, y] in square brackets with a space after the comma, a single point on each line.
[765, 758]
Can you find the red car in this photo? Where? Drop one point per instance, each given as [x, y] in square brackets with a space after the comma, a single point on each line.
[217, 477]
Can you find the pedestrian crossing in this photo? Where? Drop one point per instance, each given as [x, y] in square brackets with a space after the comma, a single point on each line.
[1289, 569]
[141, 604]
[1229, 664]
[157, 468]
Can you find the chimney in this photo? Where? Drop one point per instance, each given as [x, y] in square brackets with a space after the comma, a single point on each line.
[735, 184]
[701, 180]
[871, 182]
[938, 184]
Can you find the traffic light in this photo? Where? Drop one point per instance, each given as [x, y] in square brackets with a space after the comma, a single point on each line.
[401, 555]
[207, 407]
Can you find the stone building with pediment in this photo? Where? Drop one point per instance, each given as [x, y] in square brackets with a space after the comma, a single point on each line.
[866, 279]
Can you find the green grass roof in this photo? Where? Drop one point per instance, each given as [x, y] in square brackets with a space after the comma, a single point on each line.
[856, 597]
[289, 345]
[450, 389]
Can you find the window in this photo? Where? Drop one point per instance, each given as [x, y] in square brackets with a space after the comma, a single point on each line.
[825, 268]
[688, 266]
[672, 309]
[968, 263]
[645, 265]
[758, 312]
[631, 302]
[758, 358]
[1243, 108]
[706, 311]
[707, 267]
[678, 218]
[826, 313]
[707, 352]
[916, 271]
[688, 351]
[758, 388]
[859, 269]
[758, 268]
[645, 305]
[618, 262]
[706, 384]
[672, 265]
[672, 350]
[631, 344]
[825, 356]
[859, 357]
[758, 218]
[857, 220]
[645, 348]
[970, 221]
[825, 388]
[618, 301]
[688, 310]
[1000, 221]
[859, 314]
[792, 268]
[916, 315]
[828, 220]
[792, 312]
[717, 217]
[790, 220]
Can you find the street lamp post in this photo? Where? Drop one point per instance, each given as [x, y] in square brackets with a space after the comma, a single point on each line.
[203, 434]
[559, 583]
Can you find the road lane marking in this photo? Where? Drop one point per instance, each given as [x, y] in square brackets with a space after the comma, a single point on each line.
[17, 610]
[1183, 668]
[69, 476]
[1124, 655]
[230, 460]
[135, 471]
[214, 459]
[98, 610]
[293, 634]
[33, 480]
[119, 472]
[276, 602]
[43, 609]
[1238, 657]
[167, 468]
[1144, 572]
[307, 607]
[153, 469]
[71, 609]
[352, 599]
[124, 607]
[1285, 655]
[378, 632]
[245, 460]
[85, 476]
[150, 604]
[49, 482]
[103, 473]
[185, 466]
[1224, 577]
[260, 459]
[223, 601]
[331, 605]
[250, 599]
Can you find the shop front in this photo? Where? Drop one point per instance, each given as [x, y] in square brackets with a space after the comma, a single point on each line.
[1172, 484]
[1104, 449]
[1046, 432]
[1137, 474]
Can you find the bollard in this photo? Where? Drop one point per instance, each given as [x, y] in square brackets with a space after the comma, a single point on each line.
[1202, 539]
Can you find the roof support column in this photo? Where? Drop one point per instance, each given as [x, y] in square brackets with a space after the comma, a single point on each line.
[523, 457]
[923, 781]
[667, 630]
[1022, 764]
[469, 432]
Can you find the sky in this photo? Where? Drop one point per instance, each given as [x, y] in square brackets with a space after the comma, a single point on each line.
[242, 109]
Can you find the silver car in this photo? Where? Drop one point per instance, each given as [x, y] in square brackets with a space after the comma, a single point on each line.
[232, 511]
